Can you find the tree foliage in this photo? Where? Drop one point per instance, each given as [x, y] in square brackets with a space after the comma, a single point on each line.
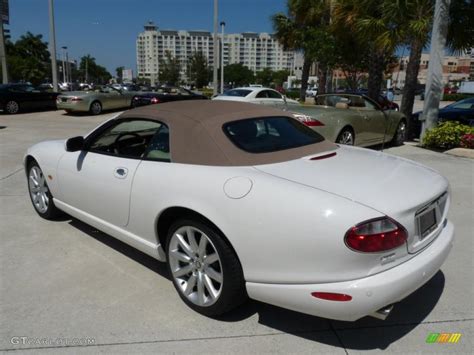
[91, 72]
[28, 59]
[198, 69]
[170, 69]
[119, 74]
[238, 74]
[264, 77]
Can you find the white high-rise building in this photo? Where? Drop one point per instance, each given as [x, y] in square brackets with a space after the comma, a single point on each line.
[254, 50]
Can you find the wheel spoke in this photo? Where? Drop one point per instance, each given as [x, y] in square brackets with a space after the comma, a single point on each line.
[184, 245]
[190, 285]
[202, 246]
[192, 240]
[183, 271]
[210, 287]
[33, 181]
[209, 259]
[180, 256]
[200, 289]
[213, 274]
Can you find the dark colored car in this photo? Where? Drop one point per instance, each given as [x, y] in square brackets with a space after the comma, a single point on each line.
[165, 94]
[461, 111]
[25, 97]
[386, 104]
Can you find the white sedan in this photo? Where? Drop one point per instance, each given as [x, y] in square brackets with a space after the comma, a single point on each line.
[256, 95]
[245, 201]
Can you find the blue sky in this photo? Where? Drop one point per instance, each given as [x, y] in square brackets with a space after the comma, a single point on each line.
[107, 29]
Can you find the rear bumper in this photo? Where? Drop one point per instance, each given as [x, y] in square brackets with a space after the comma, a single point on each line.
[368, 294]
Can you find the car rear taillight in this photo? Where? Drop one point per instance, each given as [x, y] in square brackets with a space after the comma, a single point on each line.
[308, 120]
[376, 235]
[155, 100]
[331, 296]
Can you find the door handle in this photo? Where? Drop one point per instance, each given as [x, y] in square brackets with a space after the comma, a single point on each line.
[121, 173]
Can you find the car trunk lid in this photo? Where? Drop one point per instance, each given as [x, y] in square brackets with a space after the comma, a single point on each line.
[396, 187]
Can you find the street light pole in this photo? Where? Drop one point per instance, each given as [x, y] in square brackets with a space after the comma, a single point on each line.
[64, 64]
[52, 49]
[216, 50]
[3, 55]
[222, 57]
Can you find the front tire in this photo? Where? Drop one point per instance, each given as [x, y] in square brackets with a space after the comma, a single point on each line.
[12, 107]
[40, 195]
[204, 268]
[400, 134]
[96, 108]
[346, 136]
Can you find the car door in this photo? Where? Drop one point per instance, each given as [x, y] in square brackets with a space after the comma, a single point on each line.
[376, 121]
[98, 179]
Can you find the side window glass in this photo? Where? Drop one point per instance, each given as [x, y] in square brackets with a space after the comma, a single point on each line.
[159, 147]
[262, 95]
[129, 138]
[369, 105]
[274, 95]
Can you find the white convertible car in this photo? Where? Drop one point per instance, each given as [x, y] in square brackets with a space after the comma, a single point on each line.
[244, 200]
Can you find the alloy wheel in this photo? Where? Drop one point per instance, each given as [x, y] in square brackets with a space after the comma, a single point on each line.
[96, 108]
[346, 137]
[12, 107]
[195, 266]
[38, 189]
[401, 132]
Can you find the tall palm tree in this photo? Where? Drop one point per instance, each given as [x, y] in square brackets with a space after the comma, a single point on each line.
[366, 20]
[296, 30]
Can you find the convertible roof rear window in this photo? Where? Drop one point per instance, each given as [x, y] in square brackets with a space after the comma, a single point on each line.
[270, 134]
[237, 92]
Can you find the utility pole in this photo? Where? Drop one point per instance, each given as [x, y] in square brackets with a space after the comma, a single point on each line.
[3, 55]
[222, 57]
[87, 69]
[216, 51]
[434, 84]
[52, 48]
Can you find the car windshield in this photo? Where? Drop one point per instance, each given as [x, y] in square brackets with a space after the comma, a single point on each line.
[465, 104]
[270, 134]
[237, 92]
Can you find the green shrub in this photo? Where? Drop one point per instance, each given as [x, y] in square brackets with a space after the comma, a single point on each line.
[447, 135]
[293, 94]
[456, 97]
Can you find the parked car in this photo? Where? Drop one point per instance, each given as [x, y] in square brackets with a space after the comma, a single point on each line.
[216, 190]
[165, 94]
[382, 100]
[95, 102]
[25, 97]
[256, 95]
[353, 120]
[461, 111]
[466, 87]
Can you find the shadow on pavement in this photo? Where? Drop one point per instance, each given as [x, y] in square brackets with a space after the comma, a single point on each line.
[132, 253]
[405, 317]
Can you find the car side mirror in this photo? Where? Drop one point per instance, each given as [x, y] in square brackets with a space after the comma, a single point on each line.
[75, 144]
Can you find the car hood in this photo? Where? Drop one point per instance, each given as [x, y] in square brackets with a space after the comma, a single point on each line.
[388, 184]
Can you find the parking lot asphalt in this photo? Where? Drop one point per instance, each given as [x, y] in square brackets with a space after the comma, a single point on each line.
[64, 283]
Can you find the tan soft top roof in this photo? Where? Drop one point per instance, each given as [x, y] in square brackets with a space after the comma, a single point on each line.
[197, 136]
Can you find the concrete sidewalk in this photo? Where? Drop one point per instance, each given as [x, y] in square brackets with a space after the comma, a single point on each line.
[64, 280]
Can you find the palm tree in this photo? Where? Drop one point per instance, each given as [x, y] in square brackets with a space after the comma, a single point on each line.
[296, 31]
[366, 20]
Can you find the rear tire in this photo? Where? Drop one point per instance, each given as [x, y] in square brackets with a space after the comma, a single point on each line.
[39, 192]
[12, 107]
[96, 108]
[204, 268]
[346, 136]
